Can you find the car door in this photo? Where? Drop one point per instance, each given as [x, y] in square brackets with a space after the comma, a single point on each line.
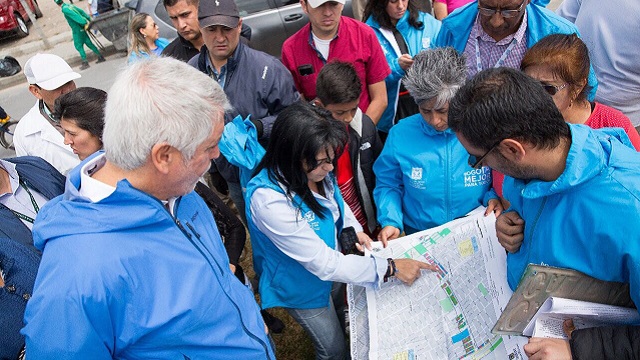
[267, 30]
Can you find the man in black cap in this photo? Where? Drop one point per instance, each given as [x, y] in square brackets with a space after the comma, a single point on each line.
[256, 83]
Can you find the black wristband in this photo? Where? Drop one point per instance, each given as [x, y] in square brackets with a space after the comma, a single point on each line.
[391, 269]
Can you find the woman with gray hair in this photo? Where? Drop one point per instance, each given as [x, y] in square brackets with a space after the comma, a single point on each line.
[424, 176]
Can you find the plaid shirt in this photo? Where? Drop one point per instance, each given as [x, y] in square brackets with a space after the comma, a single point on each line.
[491, 50]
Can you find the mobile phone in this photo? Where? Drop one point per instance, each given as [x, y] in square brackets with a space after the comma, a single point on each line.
[348, 241]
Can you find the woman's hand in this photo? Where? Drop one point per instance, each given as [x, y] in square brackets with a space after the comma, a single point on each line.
[388, 233]
[408, 270]
[364, 241]
[405, 61]
[494, 205]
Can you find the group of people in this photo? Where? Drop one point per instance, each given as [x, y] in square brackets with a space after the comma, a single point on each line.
[362, 132]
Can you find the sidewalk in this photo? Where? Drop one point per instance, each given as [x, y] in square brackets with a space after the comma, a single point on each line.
[57, 32]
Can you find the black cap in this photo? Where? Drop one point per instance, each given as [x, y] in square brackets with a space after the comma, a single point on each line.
[218, 12]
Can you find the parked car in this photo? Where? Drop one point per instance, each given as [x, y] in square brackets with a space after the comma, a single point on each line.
[14, 18]
[271, 21]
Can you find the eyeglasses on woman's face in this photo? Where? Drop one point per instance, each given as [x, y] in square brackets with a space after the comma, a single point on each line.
[552, 89]
[510, 13]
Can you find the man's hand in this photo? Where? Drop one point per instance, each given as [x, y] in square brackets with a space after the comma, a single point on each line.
[494, 205]
[86, 27]
[388, 233]
[409, 270]
[405, 61]
[551, 349]
[510, 231]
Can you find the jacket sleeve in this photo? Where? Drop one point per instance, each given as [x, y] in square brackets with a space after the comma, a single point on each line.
[606, 343]
[62, 321]
[277, 95]
[389, 187]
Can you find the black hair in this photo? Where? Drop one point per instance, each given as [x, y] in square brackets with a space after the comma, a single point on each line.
[378, 10]
[338, 83]
[173, 2]
[300, 132]
[505, 103]
[85, 107]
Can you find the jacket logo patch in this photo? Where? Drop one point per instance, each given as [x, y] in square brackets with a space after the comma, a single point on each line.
[264, 72]
[365, 146]
[416, 178]
[477, 177]
[310, 218]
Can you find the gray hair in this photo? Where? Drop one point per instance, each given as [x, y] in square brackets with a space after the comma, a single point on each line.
[160, 100]
[436, 73]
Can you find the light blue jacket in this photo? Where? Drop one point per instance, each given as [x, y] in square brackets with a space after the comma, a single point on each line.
[161, 43]
[541, 22]
[417, 40]
[587, 219]
[120, 279]
[284, 282]
[412, 191]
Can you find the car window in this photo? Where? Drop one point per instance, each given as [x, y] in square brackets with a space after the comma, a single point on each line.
[162, 14]
[248, 7]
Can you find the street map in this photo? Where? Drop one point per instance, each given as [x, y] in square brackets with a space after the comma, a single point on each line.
[446, 314]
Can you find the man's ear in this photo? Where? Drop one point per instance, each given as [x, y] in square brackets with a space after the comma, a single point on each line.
[35, 91]
[163, 156]
[318, 103]
[304, 4]
[512, 150]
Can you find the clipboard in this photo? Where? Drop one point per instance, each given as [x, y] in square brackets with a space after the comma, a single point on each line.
[540, 282]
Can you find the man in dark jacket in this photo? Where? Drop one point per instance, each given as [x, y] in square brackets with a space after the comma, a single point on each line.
[257, 84]
[26, 183]
[338, 89]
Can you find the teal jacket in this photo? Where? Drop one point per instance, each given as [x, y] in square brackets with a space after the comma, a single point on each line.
[417, 40]
[587, 219]
[283, 281]
[541, 22]
[423, 178]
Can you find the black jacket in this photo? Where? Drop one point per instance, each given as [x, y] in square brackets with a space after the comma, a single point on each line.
[180, 49]
[364, 148]
[606, 343]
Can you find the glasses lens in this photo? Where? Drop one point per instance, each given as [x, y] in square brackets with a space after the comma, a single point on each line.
[509, 13]
[486, 12]
[552, 90]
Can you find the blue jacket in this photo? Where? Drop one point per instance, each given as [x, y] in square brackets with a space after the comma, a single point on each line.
[412, 192]
[161, 43]
[417, 40]
[283, 281]
[541, 22]
[19, 259]
[587, 219]
[120, 278]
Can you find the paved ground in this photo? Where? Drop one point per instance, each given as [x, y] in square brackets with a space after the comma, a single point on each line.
[56, 30]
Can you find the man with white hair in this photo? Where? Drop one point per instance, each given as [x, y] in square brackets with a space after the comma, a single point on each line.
[38, 133]
[133, 265]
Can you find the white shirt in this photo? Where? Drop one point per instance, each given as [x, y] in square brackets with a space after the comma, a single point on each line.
[283, 224]
[35, 136]
[322, 45]
[18, 199]
[91, 188]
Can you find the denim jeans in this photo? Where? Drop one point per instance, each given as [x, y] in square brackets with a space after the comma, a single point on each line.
[326, 325]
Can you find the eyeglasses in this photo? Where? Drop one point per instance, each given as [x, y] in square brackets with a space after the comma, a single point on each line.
[552, 89]
[476, 162]
[484, 11]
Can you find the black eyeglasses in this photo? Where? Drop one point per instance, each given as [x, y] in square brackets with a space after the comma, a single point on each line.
[476, 162]
[505, 13]
[552, 89]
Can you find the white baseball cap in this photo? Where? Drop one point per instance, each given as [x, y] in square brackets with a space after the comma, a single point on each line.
[315, 3]
[48, 71]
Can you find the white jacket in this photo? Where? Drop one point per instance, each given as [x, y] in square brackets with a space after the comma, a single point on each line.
[35, 136]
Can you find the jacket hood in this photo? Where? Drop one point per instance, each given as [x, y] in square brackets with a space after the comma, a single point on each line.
[589, 154]
[72, 214]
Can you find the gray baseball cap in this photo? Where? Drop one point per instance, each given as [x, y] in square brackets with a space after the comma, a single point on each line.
[218, 12]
